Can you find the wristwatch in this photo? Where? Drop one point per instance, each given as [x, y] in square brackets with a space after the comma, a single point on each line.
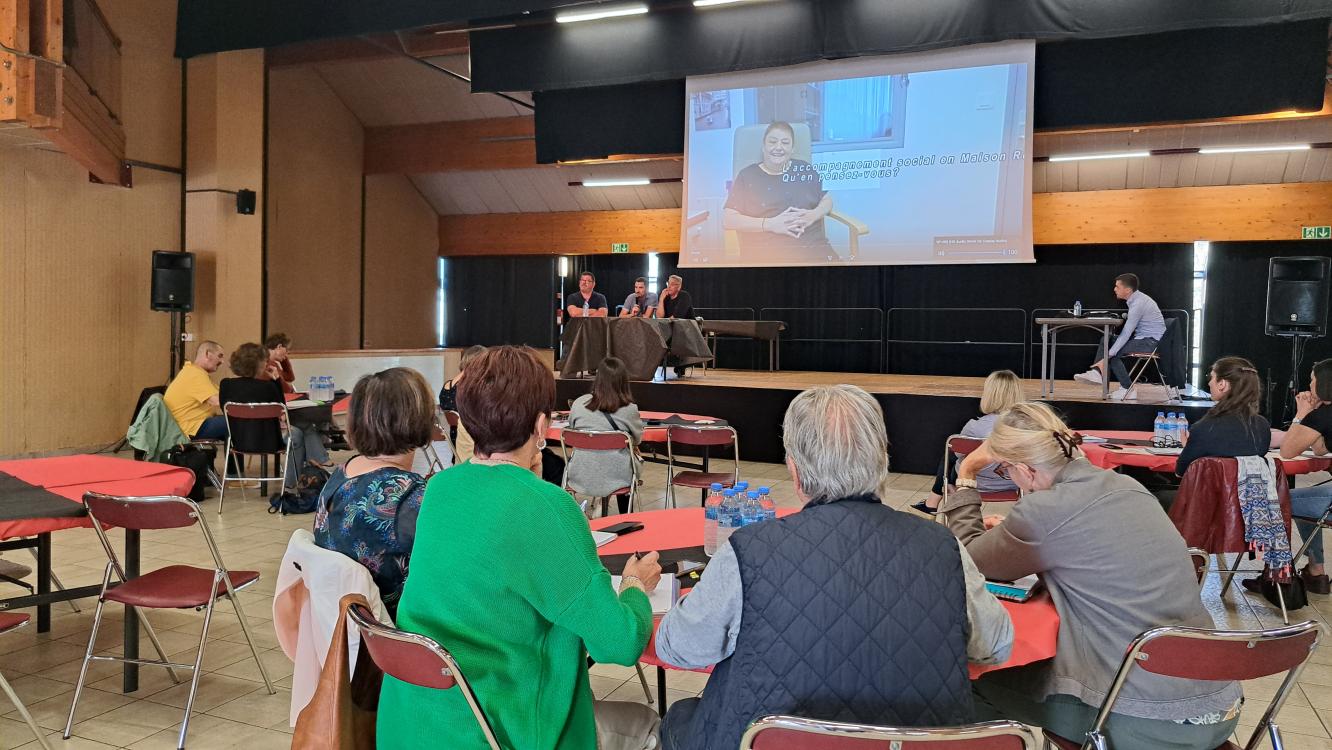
[1296, 421]
[968, 483]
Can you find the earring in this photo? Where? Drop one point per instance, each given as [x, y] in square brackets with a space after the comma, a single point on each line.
[541, 444]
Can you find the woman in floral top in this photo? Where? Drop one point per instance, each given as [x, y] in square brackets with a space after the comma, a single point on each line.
[368, 509]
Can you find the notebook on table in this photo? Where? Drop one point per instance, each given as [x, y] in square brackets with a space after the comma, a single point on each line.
[1015, 591]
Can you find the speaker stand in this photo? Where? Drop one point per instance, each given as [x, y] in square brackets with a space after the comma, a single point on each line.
[1298, 342]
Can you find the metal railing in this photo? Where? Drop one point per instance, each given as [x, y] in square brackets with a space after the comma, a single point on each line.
[874, 316]
[1020, 322]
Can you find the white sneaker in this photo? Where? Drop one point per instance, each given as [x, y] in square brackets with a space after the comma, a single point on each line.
[1092, 376]
[1120, 394]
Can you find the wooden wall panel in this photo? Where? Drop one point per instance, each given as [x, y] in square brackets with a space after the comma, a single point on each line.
[496, 143]
[315, 148]
[1233, 212]
[401, 264]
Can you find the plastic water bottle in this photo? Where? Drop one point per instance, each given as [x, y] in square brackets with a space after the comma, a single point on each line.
[710, 508]
[586, 307]
[313, 391]
[740, 488]
[1182, 429]
[1077, 308]
[1172, 430]
[728, 517]
[1159, 430]
[753, 512]
[766, 503]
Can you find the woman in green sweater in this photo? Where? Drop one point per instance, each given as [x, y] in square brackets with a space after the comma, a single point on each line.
[506, 577]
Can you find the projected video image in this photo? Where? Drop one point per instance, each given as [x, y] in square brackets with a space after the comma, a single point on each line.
[818, 165]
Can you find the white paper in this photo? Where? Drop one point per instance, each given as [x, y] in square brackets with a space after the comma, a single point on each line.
[603, 537]
[662, 597]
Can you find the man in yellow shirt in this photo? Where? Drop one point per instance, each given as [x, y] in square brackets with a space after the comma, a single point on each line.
[192, 396]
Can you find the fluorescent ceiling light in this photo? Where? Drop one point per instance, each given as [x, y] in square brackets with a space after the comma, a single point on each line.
[1254, 149]
[710, 3]
[627, 182]
[1088, 157]
[600, 13]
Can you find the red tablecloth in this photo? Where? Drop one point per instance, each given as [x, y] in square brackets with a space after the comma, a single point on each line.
[1035, 623]
[652, 434]
[1134, 455]
[341, 405]
[71, 476]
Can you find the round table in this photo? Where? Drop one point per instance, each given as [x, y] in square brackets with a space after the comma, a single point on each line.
[1137, 455]
[651, 433]
[1035, 622]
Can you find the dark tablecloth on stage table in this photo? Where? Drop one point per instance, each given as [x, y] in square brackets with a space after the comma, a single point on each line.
[763, 330]
[1035, 622]
[640, 343]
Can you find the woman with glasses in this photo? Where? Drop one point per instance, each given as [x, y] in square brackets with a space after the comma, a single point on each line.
[1115, 567]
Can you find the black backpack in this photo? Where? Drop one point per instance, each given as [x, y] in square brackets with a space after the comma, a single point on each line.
[309, 485]
[196, 459]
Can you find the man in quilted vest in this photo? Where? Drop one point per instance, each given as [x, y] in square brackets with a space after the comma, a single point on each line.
[845, 611]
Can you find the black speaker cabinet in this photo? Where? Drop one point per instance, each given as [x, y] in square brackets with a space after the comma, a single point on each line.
[1297, 296]
[173, 281]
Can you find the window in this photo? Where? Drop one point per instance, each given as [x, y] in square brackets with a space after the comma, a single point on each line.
[652, 273]
[1201, 249]
[439, 303]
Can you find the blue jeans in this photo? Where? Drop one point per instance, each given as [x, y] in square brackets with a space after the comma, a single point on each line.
[306, 444]
[1116, 363]
[1311, 502]
[213, 428]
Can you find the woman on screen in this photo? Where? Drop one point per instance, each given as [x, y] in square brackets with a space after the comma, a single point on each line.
[777, 205]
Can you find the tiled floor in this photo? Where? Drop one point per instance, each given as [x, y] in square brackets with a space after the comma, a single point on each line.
[234, 710]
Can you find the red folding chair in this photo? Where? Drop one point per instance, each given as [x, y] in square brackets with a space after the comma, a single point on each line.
[417, 660]
[961, 446]
[237, 413]
[601, 440]
[13, 621]
[1201, 654]
[172, 587]
[706, 437]
[795, 733]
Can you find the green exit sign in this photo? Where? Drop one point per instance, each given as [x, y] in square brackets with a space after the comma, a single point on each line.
[1316, 233]
[623, 247]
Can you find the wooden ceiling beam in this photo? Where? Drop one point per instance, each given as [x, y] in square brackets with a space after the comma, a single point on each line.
[495, 143]
[560, 233]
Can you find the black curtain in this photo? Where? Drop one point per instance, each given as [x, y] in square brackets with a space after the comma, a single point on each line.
[500, 300]
[1236, 315]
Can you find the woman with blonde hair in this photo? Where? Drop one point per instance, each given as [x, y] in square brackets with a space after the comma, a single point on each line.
[1115, 567]
[1002, 389]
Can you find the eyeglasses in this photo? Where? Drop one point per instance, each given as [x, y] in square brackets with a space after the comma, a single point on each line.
[1001, 469]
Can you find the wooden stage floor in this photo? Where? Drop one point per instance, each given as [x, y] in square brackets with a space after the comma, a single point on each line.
[918, 385]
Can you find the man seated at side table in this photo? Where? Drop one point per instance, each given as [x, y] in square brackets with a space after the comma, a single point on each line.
[640, 304]
[192, 395]
[846, 611]
[1142, 331]
[586, 302]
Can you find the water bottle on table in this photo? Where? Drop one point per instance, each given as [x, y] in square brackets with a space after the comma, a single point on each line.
[766, 503]
[752, 511]
[1077, 308]
[1182, 430]
[1158, 430]
[728, 517]
[710, 509]
[587, 308]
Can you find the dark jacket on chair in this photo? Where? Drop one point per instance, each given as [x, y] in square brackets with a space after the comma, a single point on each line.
[851, 612]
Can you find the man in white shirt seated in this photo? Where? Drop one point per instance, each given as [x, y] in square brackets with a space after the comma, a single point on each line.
[1142, 331]
[846, 611]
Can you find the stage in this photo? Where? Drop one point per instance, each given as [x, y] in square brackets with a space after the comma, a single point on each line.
[921, 411]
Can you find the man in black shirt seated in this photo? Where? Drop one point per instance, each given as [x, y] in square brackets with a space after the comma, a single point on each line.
[586, 303]
[675, 303]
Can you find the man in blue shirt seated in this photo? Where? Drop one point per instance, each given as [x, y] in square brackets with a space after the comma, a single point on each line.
[640, 304]
[586, 302]
[846, 611]
[1142, 331]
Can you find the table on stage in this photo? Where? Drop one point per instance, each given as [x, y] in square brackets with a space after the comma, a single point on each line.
[678, 535]
[642, 343]
[759, 330]
[1131, 450]
[1050, 328]
[39, 496]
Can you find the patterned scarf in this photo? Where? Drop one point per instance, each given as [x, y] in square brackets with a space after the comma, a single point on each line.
[1264, 527]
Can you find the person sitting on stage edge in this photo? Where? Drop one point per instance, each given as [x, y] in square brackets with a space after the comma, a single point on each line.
[1115, 566]
[586, 302]
[1002, 390]
[192, 397]
[1141, 332]
[506, 576]
[253, 386]
[640, 304]
[791, 629]
[610, 406]
[368, 509]
[1310, 429]
[279, 361]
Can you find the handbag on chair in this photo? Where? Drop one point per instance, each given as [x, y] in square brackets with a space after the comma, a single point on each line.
[342, 712]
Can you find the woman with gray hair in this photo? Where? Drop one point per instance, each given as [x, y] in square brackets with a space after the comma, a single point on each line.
[849, 608]
[1115, 567]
